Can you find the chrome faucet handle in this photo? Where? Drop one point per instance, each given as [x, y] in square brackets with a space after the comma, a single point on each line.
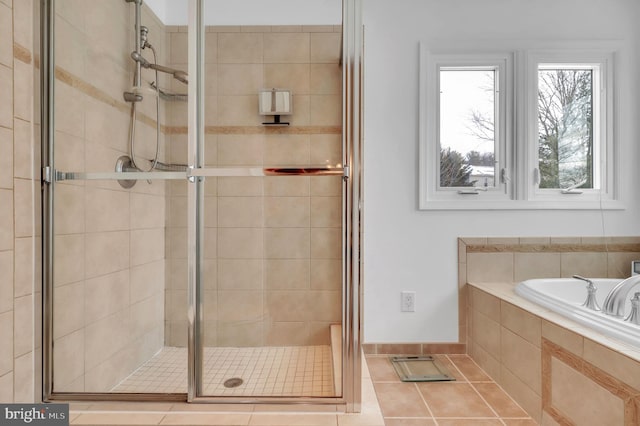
[634, 316]
[591, 302]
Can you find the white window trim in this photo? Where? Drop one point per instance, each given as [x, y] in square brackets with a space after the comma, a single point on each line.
[605, 128]
[431, 196]
[521, 135]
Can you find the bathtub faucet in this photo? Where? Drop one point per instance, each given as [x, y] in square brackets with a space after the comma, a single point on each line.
[617, 297]
[591, 301]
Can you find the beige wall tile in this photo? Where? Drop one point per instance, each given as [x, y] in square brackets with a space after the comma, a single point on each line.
[487, 362]
[616, 364]
[325, 48]
[326, 186]
[522, 323]
[326, 79]
[326, 243]
[240, 79]
[108, 126]
[287, 274]
[286, 212]
[536, 265]
[325, 110]
[287, 306]
[6, 159]
[241, 334]
[294, 77]
[146, 315]
[106, 252]
[240, 48]
[326, 212]
[178, 48]
[240, 305]
[603, 407]
[326, 149]
[619, 264]
[240, 274]
[286, 186]
[147, 245]
[106, 295]
[6, 219]
[585, 264]
[69, 107]
[326, 274]
[68, 360]
[24, 380]
[486, 334]
[177, 215]
[236, 212]
[521, 358]
[24, 150]
[69, 309]
[486, 304]
[301, 111]
[285, 150]
[104, 338]
[240, 150]
[561, 336]
[69, 209]
[241, 186]
[6, 35]
[283, 48]
[6, 335]
[6, 388]
[23, 82]
[240, 243]
[23, 319]
[24, 266]
[521, 393]
[324, 306]
[106, 210]
[23, 198]
[70, 47]
[147, 211]
[147, 280]
[6, 88]
[68, 249]
[490, 267]
[286, 243]
[6, 281]
[287, 333]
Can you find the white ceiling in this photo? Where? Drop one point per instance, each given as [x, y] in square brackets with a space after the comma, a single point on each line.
[252, 12]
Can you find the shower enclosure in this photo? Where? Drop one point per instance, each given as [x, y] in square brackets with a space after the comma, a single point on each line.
[193, 249]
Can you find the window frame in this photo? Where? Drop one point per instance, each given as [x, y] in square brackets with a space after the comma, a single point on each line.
[520, 134]
[432, 196]
[606, 195]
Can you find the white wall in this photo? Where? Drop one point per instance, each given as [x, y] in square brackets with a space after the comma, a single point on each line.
[407, 249]
[252, 12]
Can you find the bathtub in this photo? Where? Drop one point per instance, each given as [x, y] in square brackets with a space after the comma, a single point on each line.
[566, 295]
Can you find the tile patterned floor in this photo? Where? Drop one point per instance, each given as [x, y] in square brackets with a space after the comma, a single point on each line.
[473, 399]
[265, 371]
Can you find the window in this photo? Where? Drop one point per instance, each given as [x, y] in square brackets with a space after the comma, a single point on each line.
[562, 140]
[466, 155]
[570, 140]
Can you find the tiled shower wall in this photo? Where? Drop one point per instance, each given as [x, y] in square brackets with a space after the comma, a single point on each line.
[109, 241]
[273, 244]
[19, 195]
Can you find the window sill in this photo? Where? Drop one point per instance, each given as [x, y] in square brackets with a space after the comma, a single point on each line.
[522, 205]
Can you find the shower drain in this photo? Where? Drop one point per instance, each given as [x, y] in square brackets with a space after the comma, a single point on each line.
[233, 382]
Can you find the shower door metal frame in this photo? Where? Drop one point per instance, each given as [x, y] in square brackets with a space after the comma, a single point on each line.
[351, 170]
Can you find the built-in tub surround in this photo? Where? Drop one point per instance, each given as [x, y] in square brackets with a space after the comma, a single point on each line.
[566, 296]
[549, 364]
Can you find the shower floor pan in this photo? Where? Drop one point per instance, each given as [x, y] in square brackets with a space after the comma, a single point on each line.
[264, 371]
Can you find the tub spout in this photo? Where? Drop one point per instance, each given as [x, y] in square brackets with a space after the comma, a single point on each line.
[591, 302]
[615, 301]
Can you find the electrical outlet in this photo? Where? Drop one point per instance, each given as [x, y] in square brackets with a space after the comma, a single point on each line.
[408, 301]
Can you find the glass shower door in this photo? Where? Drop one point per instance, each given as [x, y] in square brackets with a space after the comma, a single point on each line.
[271, 222]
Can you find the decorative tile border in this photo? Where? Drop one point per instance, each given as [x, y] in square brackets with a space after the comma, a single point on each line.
[413, 348]
[552, 248]
[21, 53]
[260, 130]
[626, 393]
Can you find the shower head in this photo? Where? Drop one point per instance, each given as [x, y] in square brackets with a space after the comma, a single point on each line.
[177, 74]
